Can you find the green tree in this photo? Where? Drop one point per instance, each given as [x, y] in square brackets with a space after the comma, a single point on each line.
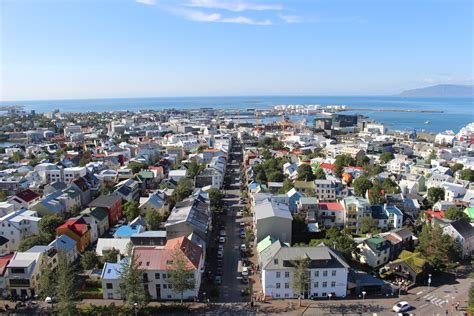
[66, 286]
[467, 174]
[361, 185]
[470, 304]
[435, 194]
[249, 236]
[287, 186]
[301, 277]
[89, 260]
[153, 220]
[440, 249]
[193, 168]
[131, 282]
[276, 176]
[182, 191]
[33, 240]
[136, 166]
[319, 174]
[386, 157]
[16, 157]
[453, 213]
[110, 256]
[376, 195]
[456, 167]
[181, 275]
[369, 225]
[46, 283]
[3, 196]
[261, 176]
[389, 186]
[431, 156]
[48, 224]
[131, 210]
[305, 173]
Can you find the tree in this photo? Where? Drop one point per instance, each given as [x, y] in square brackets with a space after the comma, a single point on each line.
[136, 166]
[376, 195]
[110, 255]
[131, 282]
[249, 236]
[89, 260]
[287, 186]
[3, 196]
[300, 277]
[389, 186]
[453, 213]
[276, 176]
[305, 173]
[457, 166]
[193, 168]
[33, 240]
[386, 157]
[319, 174]
[470, 304]
[435, 194]
[215, 197]
[467, 174]
[182, 191]
[66, 286]
[440, 249]
[130, 209]
[361, 185]
[431, 156]
[261, 176]
[49, 223]
[153, 220]
[46, 283]
[181, 276]
[369, 225]
[16, 157]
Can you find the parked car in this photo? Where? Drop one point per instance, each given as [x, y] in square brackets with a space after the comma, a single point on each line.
[222, 233]
[220, 247]
[402, 306]
[219, 271]
[222, 240]
[245, 280]
[220, 262]
[243, 247]
[245, 271]
[220, 254]
[217, 280]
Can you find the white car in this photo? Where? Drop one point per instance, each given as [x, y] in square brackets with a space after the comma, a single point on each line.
[220, 254]
[220, 247]
[222, 240]
[245, 271]
[402, 306]
[243, 247]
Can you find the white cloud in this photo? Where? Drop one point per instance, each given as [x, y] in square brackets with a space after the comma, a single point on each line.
[146, 2]
[199, 16]
[235, 6]
[245, 20]
[291, 18]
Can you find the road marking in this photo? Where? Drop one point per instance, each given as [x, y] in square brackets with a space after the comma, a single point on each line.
[426, 304]
[429, 297]
[419, 293]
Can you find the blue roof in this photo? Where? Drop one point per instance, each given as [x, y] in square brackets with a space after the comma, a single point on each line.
[111, 271]
[127, 230]
[63, 242]
[392, 209]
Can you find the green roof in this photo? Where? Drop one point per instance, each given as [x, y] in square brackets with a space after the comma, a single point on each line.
[414, 260]
[146, 174]
[470, 213]
[376, 243]
[264, 243]
[304, 185]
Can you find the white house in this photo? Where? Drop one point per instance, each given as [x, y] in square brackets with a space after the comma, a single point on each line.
[327, 271]
[18, 225]
[463, 233]
[272, 218]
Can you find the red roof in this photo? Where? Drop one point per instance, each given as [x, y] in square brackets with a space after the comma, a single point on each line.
[325, 165]
[149, 258]
[434, 214]
[4, 261]
[330, 206]
[27, 195]
[76, 225]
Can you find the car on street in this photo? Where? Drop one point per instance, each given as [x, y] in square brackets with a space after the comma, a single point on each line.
[243, 247]
[222, 240]
[220, 247]
[220, 262]
[217, 280]
[242, 235]
[219, 271]
[245, 280]
[245, 271]
[220, 253]
[222, 233]
[402, 306]
[239, 214]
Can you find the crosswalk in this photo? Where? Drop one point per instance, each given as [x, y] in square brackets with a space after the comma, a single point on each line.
[435, 300]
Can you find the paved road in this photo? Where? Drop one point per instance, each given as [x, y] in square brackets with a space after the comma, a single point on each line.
[230, 290]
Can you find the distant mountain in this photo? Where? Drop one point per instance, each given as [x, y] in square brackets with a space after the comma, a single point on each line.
[441, 90]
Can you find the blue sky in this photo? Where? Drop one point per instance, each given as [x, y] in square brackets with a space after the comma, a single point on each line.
[53, 49]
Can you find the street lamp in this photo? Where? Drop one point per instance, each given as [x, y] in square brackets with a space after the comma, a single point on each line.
[329, 295]
[363, 295]
[429, 281]
[49, 300]
[399, 287]
[135, 307]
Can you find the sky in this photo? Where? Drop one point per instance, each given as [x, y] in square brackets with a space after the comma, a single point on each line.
[68, 49]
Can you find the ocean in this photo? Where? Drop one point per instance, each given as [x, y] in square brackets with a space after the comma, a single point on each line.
[458, 111]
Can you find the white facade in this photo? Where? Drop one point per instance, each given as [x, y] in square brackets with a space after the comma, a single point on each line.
[17, 226]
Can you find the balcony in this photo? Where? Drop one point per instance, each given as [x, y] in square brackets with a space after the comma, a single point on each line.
[19, 283]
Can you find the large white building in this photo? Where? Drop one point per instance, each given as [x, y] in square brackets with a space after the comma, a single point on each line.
[18, 225]
[327, 271]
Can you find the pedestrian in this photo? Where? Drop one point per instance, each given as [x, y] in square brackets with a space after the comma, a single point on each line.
[457, 305]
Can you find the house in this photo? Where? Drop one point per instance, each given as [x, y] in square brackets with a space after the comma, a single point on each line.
[66, 244]
[192, 216]
[305, 187]
[178, 174]
[387, 216]
[16, 226]
[410, 266]
[293, 198]
[327, 271]
[158, 262]
[110, 278]
[82, 186]
[330, 214]
[272, 218]
[356, 209]
[210, 176]
[400, 239]
[101, 218]
[107, 244]
[112, 204]
[128, 190]
[453, 191]
[325, 190]
[126, 231]
[25, 198]
[77, 229]
[463, 233]
[307, 204]
[374, 251]
[149, 238]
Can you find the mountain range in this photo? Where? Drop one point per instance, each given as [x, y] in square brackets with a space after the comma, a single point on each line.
[441, 90]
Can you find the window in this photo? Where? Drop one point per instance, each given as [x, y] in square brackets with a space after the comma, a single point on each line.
[316, 273]
[157, 276]
[333, 284]
[333, 272]
[325, 284]
[287, 274]
[325, 273]
[169, 286]
[278, 285]
[316, 284]
[110, 286]
[110, 296]
[278, 274]
[164, 275]
[165, 286]
[287, 285]
[287, 295]
[278, 295]
[275, 261]
[324, 294]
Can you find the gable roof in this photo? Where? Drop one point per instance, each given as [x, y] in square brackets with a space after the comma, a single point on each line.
[27, 195]
[106, 201]
[463, 227]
